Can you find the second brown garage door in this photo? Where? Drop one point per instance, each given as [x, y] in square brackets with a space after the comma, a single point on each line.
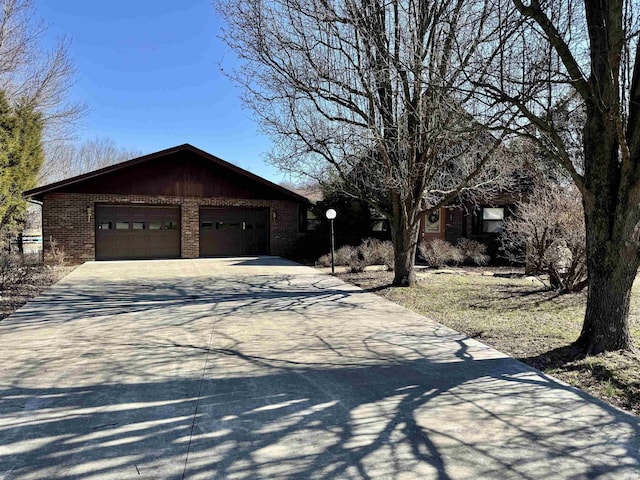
[137, 232]
[228, 231]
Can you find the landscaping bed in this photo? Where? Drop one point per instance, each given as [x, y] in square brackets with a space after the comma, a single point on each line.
[14, 294]
[519, 316]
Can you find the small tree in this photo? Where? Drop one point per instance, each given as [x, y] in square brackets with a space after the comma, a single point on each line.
[547, 232]
[20, 159]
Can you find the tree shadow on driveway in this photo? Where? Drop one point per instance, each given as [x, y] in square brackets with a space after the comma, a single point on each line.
[280, 376]
[419, 418]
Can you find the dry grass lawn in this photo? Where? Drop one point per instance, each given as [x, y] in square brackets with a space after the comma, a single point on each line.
[519, 316]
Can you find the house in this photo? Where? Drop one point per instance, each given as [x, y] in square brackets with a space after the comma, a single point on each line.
[481, 222]
[181, 202]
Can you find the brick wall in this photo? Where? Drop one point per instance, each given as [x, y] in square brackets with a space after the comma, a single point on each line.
[69, 219]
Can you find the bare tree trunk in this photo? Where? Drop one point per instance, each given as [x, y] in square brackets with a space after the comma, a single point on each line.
[404, 235]
[612, 266]
[404, 247]
[611, 221]
[605, 326]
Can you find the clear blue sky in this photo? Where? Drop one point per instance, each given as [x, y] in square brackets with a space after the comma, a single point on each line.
[149, 73]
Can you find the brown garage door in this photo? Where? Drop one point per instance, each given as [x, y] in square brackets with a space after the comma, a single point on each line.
[234, 231]
[137, 232]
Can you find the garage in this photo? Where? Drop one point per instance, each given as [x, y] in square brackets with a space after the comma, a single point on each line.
[137, 232]
[234, 231]
[181, 202]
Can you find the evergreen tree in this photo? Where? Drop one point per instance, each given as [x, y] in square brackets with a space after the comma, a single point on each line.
[21, 157]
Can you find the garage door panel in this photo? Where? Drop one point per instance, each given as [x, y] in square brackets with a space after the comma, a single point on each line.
[137, 232]
[232, 231]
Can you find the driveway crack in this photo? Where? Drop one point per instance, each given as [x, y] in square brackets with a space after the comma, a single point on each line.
[195, 412]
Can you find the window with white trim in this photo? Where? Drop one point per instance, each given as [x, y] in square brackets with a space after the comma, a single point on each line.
[492, 219]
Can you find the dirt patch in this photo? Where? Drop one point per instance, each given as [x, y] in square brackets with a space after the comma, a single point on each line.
[519, 316]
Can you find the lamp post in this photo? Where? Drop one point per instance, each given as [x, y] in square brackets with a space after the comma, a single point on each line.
[331, 215]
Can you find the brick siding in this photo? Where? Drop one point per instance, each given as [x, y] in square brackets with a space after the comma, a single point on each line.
[69, 219]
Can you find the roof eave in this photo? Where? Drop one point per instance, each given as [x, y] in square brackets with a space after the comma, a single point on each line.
[38, 192]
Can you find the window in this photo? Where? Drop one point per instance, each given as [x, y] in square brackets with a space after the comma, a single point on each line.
[105, 226]
[171, 225]
[302, 218]
[313, 222]
[155, 225]
[379, 225]
[122, 225]
[139, 226]
[206, 225]
[492, 220]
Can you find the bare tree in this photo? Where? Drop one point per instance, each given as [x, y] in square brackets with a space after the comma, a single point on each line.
[34, 76]
[581, 59]
[373, 92]
[66, 159]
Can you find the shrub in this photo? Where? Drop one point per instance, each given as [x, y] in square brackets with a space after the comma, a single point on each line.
[370, 252]
[473, 252]
[547, 233]
[386, 256]
[56, 252]
[363, 255]
[438, 253]
[343, 255]
[377, 252]
[324, 260]
[16, 269]
[357, 262]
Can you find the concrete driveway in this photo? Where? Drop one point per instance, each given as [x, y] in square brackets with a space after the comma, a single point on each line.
[260, 368]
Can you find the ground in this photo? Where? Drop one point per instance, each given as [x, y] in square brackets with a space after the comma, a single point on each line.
[518, 315]
[254, 368]
[512, 312]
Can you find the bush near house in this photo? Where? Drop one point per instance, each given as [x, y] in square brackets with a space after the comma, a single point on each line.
[438, 253]
[17, 269]
[340, 257]
[23, 277]
[473, 252]
[370, 252]
[547, 233]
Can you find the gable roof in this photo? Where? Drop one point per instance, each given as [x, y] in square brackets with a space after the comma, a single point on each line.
[51, 187]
